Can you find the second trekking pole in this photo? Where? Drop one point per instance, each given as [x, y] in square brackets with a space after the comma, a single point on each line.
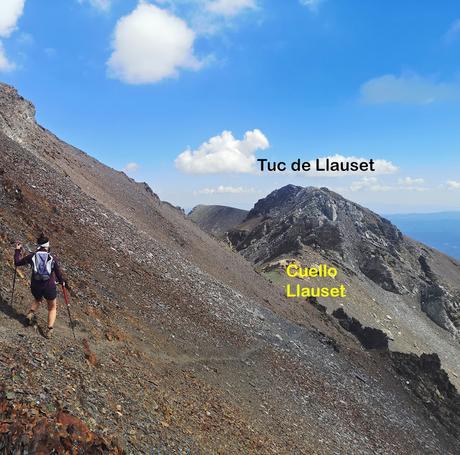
[67, 303]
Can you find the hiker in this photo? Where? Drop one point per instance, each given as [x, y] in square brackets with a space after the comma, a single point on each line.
[45, 271]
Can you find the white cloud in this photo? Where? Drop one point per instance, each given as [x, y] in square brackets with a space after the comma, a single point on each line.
[381, 166]
[408, 89]
[409, 181]
[312, 5]
[230, 7]
[224, 153]
[10, 12]
[453, 185]
[221, 189]
[369, 184]
[101, 5]
[5, 64]
[151, 44]
[131, 167]
[453, 33]
[373, 184]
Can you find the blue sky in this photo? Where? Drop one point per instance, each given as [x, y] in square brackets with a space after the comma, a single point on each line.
[150, 84]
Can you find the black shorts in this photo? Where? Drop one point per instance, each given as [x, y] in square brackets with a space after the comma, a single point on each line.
[48, 293]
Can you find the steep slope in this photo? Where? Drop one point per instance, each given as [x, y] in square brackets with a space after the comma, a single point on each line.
[186, 352]
[217, 219]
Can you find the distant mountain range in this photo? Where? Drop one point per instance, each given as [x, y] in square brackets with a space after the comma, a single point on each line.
[439, 230]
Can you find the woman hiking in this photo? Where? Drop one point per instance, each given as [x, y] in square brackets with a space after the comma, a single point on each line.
[45, 271]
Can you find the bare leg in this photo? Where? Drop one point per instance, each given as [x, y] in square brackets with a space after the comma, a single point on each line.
[52, 310]
[31, 317]
[35, 305]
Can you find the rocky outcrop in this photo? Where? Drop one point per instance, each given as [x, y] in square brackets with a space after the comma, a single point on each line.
[25, 428]
[369, 337]
[430, 383]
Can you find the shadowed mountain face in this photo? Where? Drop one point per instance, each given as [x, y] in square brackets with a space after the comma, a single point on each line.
[292, 218]
[217, 219]
[181, 346]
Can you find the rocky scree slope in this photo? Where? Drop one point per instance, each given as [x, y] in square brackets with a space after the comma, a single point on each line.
[356, 239]
[184, 352]
[217, 219]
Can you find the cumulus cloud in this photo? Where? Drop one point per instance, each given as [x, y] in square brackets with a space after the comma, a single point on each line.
[151, 44]
[102, 5]
[312, 5]
[230, 7]
[409, 181]
[224, 153]
[5, 64]
[221, 189]
[10, 12]
[408, 89]
[131, 167]
[453, 185]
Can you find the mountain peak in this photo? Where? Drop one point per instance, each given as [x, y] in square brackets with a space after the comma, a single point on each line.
[300, 222]
[14, 105]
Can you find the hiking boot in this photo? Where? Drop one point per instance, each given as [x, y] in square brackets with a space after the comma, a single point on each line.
[49, 333]
[31, 318]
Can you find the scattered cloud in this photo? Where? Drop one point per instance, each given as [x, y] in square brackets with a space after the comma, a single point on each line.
[453, 33]
[131, 167]
[369, 184]
[151, 44]
[373, 184]
[5, 64]
[408, 88]
[230, 8]
[221, 189]
[101, 5]
[25, 39]
[453, 185]
[10, 12]
[50, 52]
[381, 166]
[208, 17]
[312, 5]
[409, 181]
[224, 153]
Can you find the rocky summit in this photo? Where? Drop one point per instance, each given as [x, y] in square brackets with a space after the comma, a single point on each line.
[292, 220]
[183, 346]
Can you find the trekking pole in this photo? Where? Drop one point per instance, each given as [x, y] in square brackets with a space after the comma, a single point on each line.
[66, 298]
[14, 286]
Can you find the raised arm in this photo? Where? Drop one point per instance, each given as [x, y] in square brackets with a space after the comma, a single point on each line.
[18, 261]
